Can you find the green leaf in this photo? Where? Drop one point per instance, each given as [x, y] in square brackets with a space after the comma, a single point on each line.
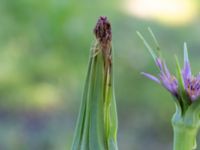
[179, 75]
[111, 121]
[155, 41]
[147, 45]
[97, 123]
[181, 89]
[186, 59]
[83, 114]
[192, 115]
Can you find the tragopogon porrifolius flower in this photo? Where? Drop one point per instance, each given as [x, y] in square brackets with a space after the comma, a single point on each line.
[190, 83]
[185, 88]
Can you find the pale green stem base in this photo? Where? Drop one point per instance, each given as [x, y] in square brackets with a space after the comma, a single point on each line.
[184, 136]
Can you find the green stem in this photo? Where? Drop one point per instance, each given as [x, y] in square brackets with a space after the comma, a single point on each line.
[184, 136]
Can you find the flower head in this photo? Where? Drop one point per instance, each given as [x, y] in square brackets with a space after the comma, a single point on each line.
[102, 30]
[165, 78]
[184, 86]
[185, 89]
[170, 82]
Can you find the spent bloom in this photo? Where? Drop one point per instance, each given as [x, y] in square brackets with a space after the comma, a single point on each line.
[184, 86]
[97, 123]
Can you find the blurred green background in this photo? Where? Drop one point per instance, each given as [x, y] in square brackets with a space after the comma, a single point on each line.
[44, 49]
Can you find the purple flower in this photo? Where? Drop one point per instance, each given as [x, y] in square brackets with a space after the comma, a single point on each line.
[191, 84]
[164, 78]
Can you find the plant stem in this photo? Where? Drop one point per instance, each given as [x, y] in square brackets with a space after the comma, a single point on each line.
[184, 136]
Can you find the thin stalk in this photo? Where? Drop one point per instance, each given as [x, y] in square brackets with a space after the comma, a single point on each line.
[184, 137]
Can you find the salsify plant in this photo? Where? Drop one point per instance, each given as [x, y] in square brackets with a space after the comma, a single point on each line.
[185, 89]
[96, 127]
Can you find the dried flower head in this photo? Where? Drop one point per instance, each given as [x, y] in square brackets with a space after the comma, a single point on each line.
[97, 122]
[102, 30]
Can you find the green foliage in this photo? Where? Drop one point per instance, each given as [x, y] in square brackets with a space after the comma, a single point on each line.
[97, 121]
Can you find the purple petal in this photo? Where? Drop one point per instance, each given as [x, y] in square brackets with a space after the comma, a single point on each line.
[193, 88]
[170, 83]
[166, 70]
[186, 72]
[151, 77]
[159, 63]
[166, 83]
[198, 76]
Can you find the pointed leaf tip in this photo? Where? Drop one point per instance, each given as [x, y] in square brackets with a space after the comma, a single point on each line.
[187, 69]
[186, 59]
[154, 39]
[147, 45]
[179, 74]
